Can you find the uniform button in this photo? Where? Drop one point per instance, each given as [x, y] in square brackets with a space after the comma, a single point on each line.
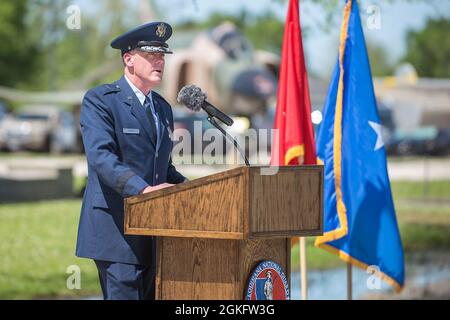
[156, 176]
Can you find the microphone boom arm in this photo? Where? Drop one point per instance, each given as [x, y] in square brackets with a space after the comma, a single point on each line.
[213, 121]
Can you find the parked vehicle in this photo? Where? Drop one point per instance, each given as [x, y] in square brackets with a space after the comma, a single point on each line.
[420, 141]
[40, 128]
[3, 116]
[3, 111]
[203, 134]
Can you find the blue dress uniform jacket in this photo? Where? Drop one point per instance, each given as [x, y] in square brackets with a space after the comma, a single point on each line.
[123, 159]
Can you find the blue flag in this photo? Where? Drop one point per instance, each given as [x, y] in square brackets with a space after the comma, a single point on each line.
[359, 216]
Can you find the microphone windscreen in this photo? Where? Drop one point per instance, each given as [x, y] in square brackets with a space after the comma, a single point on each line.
[192, 97]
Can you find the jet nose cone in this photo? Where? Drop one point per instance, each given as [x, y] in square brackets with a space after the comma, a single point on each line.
[255, 83]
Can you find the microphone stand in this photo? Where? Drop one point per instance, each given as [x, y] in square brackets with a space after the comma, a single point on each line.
[213, 121]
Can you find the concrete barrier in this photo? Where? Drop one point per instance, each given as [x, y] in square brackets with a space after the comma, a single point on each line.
[36, 183]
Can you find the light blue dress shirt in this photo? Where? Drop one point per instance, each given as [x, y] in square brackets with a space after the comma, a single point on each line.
[141, 97]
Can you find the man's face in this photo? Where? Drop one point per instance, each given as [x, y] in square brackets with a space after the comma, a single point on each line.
[148, 66]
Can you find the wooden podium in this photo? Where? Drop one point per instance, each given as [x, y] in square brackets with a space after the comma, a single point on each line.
[212, 231]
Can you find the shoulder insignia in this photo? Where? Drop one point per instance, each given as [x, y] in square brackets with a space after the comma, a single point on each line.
[110, 88]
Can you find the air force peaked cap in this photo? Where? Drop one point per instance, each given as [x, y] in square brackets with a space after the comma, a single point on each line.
[150, 37]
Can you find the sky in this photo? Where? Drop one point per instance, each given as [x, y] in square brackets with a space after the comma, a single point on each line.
[387, 29]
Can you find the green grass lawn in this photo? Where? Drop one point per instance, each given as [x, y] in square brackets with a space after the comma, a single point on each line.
[37, 245]
[432, 190]
[37, 241]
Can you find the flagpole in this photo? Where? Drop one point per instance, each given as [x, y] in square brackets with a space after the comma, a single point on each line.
[293, 113]
[349, 281]
[304, 280]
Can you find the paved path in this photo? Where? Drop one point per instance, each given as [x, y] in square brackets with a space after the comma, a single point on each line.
[420, 170]
[407, 170]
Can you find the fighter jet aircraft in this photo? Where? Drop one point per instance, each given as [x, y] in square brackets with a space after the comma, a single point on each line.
[239, 80]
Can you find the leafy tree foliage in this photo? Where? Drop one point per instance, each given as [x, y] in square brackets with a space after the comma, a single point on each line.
[429, 49]
[17, 51]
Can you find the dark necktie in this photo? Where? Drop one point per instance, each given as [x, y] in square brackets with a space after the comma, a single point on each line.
[151, 119]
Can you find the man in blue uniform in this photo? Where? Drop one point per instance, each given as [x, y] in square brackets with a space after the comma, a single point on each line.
[126, 129]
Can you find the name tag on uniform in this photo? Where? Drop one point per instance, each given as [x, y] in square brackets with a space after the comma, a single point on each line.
[130, 131]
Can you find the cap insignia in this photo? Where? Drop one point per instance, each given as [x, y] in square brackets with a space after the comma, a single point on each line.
[161, 30]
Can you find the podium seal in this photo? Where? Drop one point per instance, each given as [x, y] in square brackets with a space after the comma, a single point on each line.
[267, 282]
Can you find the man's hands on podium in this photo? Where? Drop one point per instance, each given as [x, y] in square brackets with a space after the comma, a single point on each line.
[157, 187]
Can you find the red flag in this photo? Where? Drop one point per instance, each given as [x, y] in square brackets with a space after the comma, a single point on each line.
[294, 143]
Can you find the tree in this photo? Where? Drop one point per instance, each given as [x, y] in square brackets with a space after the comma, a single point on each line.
[379, 60]
[71, 57]
[251, 26]
[18, 52]
[429, 49]
[272, 28]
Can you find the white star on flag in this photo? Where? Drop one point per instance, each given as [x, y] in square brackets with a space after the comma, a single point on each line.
[377, 128]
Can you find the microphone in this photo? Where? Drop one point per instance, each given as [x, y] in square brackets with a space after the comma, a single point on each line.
[195, 99]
